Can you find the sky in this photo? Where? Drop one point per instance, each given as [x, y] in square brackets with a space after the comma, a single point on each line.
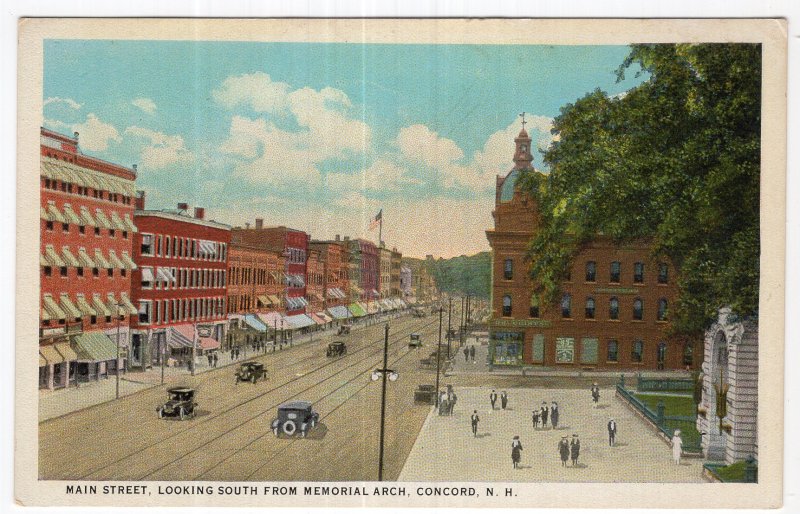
[321, 136]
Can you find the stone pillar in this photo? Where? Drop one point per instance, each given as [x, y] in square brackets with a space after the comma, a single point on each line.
[743, 411]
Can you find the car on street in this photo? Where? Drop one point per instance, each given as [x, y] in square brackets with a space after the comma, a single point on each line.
[180, 403]
[295, 417]
[418, 313]
[250, 372]
[415, 341]
[425, 393]
[344, 329]
[336, 349]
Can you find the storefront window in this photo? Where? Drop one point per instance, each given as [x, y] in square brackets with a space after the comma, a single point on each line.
[613, 351]
[637, 350]
[507, 347]
[565, 350]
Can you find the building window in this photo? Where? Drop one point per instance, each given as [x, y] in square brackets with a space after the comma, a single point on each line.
[637, 350]
[95, 272]
[507, 305]
[508, 269]
[590, 308]
[145, 308]
[638, 309]
[662, 309]
[159, 245]
[63, 271]
[638, 273]
[124, 234]
[615, 272]
[108, 319]
[147, 244]
[79, 271]
[97, 231]
[613, 308]
[566, 306]
[123, 272]
[591, 271]
[663, 273]
[93, 320]
[112, 233]
[48, 271]
[49, 225]
[147, 278]
[110, 272]
[534, 306]
[81, 229]
[612, 353]
[65, 227]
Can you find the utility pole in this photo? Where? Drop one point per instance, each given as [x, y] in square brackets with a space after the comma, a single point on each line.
[461, 327]
[118, 318]
[383, 398]
[449, 326]
[194, 348]
[439, 355]
[162, 344]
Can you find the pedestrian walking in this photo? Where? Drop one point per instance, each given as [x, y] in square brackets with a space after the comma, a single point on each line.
[466, 354]
[575, 449]
[563, 450]
[493, 398]
[442, 403]
[472, 353]
[451, 404]
[544, 412]
[504, 400]
[535, 418]
[516, 451]
[475, 419]
[237, 353]
[612, 432]
[233, 352]
[554, 415]
[595, 394]
[677, 447]
[216, 359]
[210, 359]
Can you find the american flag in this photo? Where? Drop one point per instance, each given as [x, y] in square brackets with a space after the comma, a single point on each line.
[373, 223]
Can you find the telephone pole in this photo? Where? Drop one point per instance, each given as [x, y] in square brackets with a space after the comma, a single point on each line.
[439, 355]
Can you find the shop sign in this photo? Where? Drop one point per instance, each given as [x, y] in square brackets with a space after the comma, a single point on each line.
[616, 290]
[520, 323]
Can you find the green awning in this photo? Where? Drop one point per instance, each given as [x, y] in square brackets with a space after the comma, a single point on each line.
[94, 347]
[356, 310]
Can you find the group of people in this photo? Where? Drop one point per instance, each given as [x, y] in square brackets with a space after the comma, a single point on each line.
[567, 449]
[213, 359]
[543, 413]
[447, 401]
[503, 399]
[469, 353]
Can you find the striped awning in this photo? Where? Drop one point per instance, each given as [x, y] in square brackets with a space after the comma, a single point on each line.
[356, 310]
[274, 299]
[85, 260]
[339, 312]
[52, 308]
[319, 320]
[55, 214]
[254, 322]
[70, 259]
[114, 260]
[300, 321]
[271, 319]
[53, 258]
[71, 216]
[99, 306]
[129, 223]
[117, 222]
[126, 259]
[87, 217]
[101, 261]
[66, 351]
[181, 336]
[94, 347]
[114, 306]
[84, 306]
[50, 354]
[102, 220]
[264, 300]
[126, 302]
[69, 307]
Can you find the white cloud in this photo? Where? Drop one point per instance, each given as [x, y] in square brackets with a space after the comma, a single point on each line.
[256, 90]
[72, 104]
[382, 175]
[161, 149]
[145, 104]
[96, 134]
[421, 144]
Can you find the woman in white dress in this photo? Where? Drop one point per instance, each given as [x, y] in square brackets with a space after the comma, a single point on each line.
[677, 446]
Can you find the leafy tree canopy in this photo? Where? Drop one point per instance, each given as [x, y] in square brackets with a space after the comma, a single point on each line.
[464, 274]
[675, 162]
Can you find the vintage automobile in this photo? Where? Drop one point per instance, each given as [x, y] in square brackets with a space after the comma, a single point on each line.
[415, 341]
[250, 372]
[295, 417]
[180, 403]
[418, 313]
[425, 393]
[344, 329]
[336, 349]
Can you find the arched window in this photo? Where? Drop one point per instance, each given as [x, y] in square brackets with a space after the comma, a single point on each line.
[591, 271]
[613, 308]
[508, 269]
[590, 308]
[612, 355]
[663, 273]
[566, 306]
[615, 271]
[662, 309]
[507, 305]
[637, 350]
[534, 306]
[638, 309]
[638, 273]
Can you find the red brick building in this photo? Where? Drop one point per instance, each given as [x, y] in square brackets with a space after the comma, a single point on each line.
[255, 280]
[364, 268]
[334, 257]
[180, 286]
[293, 245]
[315, 284]
[87, 232]
[614, 310]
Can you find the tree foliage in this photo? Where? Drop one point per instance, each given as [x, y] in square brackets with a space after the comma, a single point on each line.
[675, 161]
[464, 274]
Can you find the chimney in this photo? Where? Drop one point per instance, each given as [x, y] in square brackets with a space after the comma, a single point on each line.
[347, 238]
[199, 213]
[138, 201]
[338, 237]
[77, 135]
[259, 223]
[183, 206]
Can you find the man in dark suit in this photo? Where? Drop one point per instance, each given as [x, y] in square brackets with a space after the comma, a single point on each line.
[475, 419]
[493, 398]
[544, 413]
[612, 432]
[575, 449]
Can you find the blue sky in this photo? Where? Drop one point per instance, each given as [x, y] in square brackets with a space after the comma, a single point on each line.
[320, 136]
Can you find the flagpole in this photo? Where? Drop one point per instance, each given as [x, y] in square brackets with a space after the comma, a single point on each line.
[380, 229]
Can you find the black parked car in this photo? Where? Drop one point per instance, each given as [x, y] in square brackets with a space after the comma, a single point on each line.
[296, 417]
[336, 349]
[250, 372]
[180, 403]
[415, 341]
[344, 329]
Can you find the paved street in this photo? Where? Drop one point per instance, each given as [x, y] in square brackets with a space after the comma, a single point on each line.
[230, 438]
[446, 450]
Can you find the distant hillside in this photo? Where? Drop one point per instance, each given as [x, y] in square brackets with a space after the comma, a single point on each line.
[463, 274]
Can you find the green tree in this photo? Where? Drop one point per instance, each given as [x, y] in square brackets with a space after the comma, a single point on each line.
[675, 162]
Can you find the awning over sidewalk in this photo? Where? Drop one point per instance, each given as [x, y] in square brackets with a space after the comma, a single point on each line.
[253, 322]
[50, 354]
[208, 343]
[181, 336]
[357, 310]
[66, 351]
[317, 318]
[274, 299]
[265, 300]
[339, 312]
[325, 317]
[300, 321]
[372, 307]
[94, 347]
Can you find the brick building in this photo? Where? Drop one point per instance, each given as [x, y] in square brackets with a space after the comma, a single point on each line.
[315, 283]
[364, 269]
[334, 257]
[255, 279]
[180, 286]
[396, 259]
[86, 238]
[385, 274]
[293, 245]
[614, 308]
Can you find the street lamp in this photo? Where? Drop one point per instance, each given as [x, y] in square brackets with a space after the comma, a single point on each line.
[119, 307]
[392, 375]
[439, 355]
